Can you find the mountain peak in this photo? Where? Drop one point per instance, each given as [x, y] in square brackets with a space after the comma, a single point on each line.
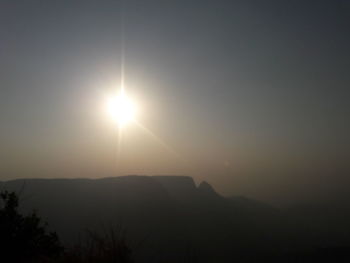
[179, 187]
[205, 187]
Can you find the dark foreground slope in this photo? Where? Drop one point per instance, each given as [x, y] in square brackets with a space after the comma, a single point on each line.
[166, 218]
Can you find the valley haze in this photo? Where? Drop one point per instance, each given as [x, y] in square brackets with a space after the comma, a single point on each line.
[172, 216]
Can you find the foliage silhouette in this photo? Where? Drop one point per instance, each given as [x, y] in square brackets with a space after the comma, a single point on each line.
[24, 238]
[95, 248]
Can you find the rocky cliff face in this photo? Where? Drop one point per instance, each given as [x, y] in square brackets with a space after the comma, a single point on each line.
[180, 188]
[184, 189]
[206, 190]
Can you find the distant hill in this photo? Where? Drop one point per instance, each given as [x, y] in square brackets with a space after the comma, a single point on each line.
[166, 218]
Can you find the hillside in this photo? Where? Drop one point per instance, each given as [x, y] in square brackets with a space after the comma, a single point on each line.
[163, 217]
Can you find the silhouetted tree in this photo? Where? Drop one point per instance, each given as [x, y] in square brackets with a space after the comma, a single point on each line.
[24, 238]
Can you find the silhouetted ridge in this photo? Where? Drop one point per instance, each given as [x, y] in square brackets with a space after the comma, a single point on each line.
[207, 191]
[170, 212]
[205, 187]
[179, 187]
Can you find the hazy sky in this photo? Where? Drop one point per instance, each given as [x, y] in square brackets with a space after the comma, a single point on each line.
[250, 95]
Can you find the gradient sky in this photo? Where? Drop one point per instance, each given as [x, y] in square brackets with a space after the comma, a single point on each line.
[252, 96]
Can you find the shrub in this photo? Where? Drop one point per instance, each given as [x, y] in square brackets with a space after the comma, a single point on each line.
[108, 248]
[24, 238]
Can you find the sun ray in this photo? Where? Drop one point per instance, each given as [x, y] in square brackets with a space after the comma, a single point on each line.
[157, 139]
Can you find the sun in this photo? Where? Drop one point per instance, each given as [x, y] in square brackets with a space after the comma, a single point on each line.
[122, 109]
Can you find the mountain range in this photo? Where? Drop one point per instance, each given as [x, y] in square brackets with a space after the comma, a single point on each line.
[167, 218]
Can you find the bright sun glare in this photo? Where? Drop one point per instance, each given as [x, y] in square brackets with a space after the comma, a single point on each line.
[122, 109]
